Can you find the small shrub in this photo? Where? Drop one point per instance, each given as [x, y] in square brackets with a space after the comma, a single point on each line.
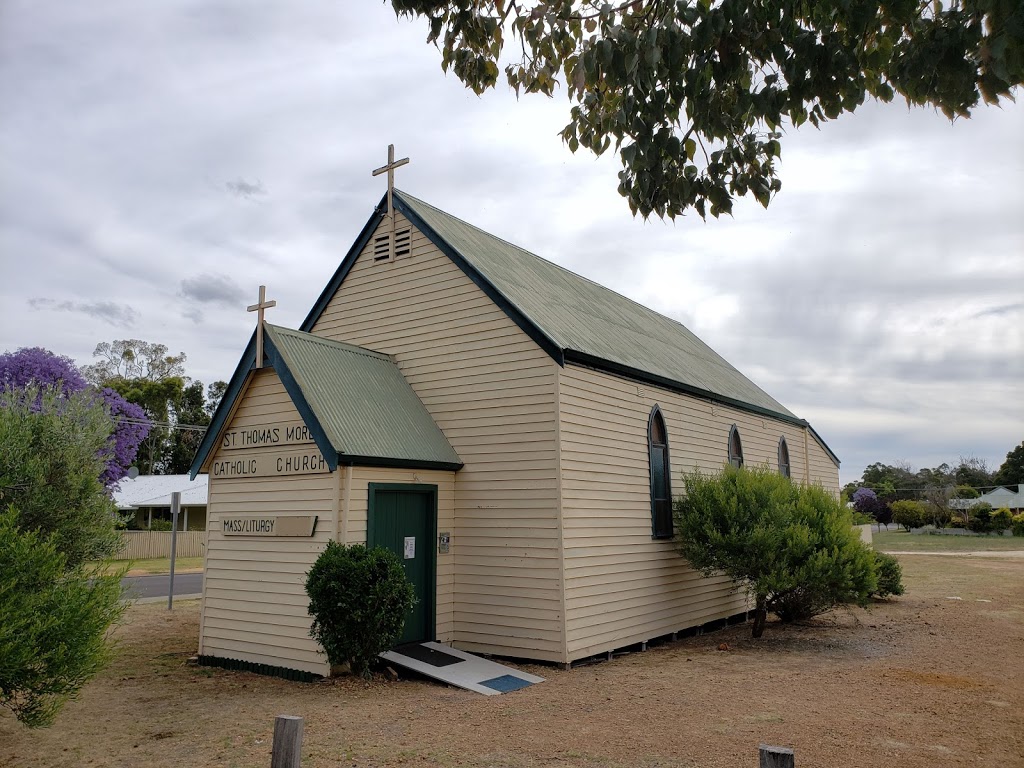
[909, 514]
[981, 518]
[358, 599]
[1001, 519]
[889, 575]
[1017, 524]
[160, 525]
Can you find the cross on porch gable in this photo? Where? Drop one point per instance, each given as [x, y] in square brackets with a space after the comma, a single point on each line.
[258, 308]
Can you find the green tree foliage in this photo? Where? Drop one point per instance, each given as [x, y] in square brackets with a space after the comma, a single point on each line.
[358, 599]
[980, 517]
[965, 492]
[889, 575]
[695, 94]
[53, 622]
[53, 450]
[1001, 519]
[1011, 472]
[1017, 524]
[143, 373]
[794, 546]
[909, 514]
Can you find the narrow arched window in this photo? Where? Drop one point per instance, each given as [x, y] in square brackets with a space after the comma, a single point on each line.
[783, 458]
[661, 489]
[735, 448]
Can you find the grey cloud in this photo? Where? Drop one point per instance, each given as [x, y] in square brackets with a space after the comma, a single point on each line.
[1006, 309]
[115, 314]
[243, 188]
[212, 289]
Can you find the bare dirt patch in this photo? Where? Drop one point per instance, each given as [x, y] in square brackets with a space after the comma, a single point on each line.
[919, 681]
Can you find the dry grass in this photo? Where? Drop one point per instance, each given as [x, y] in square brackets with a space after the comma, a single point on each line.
[918, 681]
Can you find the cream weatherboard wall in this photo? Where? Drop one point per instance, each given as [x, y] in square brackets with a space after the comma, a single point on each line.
[254, 597]
[491, 390]
[621, 586]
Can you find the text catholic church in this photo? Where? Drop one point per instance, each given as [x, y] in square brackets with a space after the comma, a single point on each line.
[513, 431]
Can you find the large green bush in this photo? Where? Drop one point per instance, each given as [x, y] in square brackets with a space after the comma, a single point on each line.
[794, 546]
[889, 575]
[980, 520]
[909, 514]
[53, 623]
[1001, 519]
[53, 451]
[1017, 524]
[358, 599]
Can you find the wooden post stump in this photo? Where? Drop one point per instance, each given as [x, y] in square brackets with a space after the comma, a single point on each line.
[776, 757]
[287, 752]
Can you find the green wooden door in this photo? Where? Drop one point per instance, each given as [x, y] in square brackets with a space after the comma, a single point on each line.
[403, 519]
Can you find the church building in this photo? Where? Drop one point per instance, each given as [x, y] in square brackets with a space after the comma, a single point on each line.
[515, 432]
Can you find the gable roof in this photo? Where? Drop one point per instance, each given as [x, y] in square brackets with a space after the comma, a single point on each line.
[357, 403]
[571, 318]
[574, 319]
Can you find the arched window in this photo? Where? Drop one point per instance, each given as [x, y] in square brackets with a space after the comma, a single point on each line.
[735, 448]
[783, 458]
[661, 489]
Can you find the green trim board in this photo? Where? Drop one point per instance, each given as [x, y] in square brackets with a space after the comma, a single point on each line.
[376, 536]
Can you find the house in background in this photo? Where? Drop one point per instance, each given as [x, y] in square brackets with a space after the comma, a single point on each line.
[513, 431]
[148, 497]
[999, 498]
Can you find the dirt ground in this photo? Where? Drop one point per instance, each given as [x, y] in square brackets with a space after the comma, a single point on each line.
[923, 680]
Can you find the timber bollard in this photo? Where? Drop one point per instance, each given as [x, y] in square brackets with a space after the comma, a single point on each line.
[776, 757]
[287, 752]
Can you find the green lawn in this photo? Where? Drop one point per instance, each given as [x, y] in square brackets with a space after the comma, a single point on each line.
[901, 541]
[158, 565]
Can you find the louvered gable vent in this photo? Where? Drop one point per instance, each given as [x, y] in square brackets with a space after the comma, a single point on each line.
[403, 245]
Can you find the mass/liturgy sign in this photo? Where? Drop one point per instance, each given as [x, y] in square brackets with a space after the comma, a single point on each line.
[269, 525]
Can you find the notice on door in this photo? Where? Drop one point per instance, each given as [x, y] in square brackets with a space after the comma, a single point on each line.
[410, 547]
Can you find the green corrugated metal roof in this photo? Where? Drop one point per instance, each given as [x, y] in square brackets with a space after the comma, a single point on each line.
[582, 316]
[362, 402]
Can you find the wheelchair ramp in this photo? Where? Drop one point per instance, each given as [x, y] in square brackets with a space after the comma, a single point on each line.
[455, 667]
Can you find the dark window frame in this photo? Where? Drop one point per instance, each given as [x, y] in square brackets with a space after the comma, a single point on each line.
[735, 447]
[661, 491]
[785, 468]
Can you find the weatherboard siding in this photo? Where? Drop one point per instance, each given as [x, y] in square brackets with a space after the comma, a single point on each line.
[491, 390]
[621, 586]
[254, 598]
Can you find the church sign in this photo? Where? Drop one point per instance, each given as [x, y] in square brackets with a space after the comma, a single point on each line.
[269, 525]
[308, 462]
[269, 435]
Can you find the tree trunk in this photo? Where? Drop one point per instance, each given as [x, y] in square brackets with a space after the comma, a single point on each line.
[760, 618]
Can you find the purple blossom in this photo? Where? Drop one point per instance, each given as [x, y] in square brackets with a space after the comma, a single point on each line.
[35, 365]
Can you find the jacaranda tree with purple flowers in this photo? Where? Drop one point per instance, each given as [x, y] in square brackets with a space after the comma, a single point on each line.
[37, 366]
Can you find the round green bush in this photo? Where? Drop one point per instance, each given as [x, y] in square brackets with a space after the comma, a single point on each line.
[358, 599]
[1001, 519]
[1018, 524]
[909, 514]
[889, 575]
[981, 518]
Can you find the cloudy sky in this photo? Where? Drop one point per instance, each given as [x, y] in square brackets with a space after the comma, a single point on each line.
[159, 161]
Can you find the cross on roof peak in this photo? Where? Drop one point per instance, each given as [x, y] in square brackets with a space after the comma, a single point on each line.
[258, 308]
[390, 170]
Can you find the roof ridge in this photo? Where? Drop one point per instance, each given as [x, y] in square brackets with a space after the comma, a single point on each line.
[333, 343]
[568, 271]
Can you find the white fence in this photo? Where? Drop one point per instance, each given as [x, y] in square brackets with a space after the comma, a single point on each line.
[142, 545]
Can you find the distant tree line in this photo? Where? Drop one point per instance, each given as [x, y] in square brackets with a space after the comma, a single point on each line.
[900, 482]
